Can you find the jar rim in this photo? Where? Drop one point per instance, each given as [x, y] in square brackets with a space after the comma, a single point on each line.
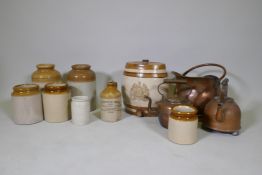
[45, 66]
[56, 87]
[81, 98]
[81, 66]
[25, 89]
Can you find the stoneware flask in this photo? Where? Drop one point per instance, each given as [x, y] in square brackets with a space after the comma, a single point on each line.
[111, 103]
[82, 81]
[140, 82]
[55, 102]
[44, 74]
[27, 104]
[80, 109]
[182, 125]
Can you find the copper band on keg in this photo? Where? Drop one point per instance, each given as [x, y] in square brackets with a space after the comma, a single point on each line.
[145, 75]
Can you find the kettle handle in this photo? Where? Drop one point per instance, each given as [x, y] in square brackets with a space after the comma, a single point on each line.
[207, 64]
[169, 81]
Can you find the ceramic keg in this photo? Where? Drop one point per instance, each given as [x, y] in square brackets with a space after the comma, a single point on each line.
[140, 83]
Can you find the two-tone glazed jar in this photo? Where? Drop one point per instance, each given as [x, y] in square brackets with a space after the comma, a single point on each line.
[82, 81]
[182, 124]
[141, 80]
[27, 104]
[44, 74]
[55, 101]
[111, 103]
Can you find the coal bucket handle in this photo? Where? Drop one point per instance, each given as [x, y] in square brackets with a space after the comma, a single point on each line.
[207, 64]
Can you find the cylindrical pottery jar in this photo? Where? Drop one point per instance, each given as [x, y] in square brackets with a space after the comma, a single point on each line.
[80, 109]
[111, 103]
[55, 101]
[82, 81]
[44, 74]
[27, 104]
[182, 125]
[141, 78]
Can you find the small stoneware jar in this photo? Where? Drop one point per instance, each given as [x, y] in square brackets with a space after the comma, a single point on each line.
[182, 125]
[55, 101]
[80, 109]
[82, 81]
[111, 103]
[27, 104]
[44, 74]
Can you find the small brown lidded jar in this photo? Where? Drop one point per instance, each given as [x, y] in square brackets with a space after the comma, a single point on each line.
[141, 79]
[55, 102]
[27, 104]
[44, 74]
[82, 81]
[182, 125]
[111, 103]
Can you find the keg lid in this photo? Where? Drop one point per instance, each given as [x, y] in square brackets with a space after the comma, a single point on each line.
[25, 89]
[145, 69]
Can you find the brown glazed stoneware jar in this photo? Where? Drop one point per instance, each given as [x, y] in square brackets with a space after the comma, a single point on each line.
[141, 79]
[55, 101]
[44, 74]
[182, 125]
[82, 81]
[111, 103]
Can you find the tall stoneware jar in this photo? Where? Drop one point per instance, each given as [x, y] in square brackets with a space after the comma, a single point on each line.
[44, 74]
[82, 81]
[110, 103]
[55, 101]
[27, 104]
[140, 83]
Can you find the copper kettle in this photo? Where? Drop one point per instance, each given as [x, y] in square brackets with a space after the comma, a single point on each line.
[199, 90]
[222, 113]
[167, 103]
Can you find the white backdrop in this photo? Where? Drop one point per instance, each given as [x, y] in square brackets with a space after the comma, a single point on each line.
[106, 34]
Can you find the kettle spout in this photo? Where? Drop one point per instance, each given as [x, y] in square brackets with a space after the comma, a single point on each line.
[219, 114]
[177, 75]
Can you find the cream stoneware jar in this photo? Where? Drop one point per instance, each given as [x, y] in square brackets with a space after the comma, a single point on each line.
[141, 79]
[55, 101]
[182, 125]
[27, 104]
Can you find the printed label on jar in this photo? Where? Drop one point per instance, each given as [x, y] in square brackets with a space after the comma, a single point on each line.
[110, 109]
[111, 105]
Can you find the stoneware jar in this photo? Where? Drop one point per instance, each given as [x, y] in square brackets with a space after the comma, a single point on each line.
[44, 74]
[82, 81]
[80, 109]
[27, 104]
[182, 125]
[110, 103]
[141, 80]
[55, 102]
